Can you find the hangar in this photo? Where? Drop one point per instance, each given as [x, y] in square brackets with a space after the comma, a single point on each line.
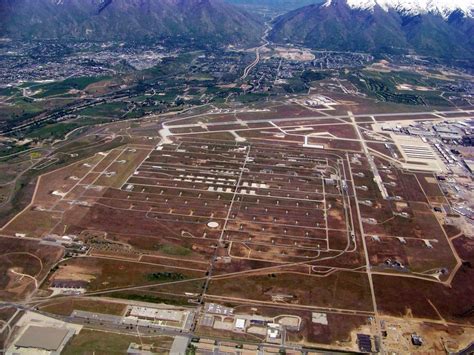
[418, 155]
[42, 340]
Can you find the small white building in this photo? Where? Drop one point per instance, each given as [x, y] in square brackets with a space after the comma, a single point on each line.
[240, 324]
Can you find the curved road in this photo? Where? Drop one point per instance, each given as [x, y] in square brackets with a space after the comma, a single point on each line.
[266, 42]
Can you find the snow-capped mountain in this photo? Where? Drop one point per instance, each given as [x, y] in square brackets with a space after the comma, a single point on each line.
[443, 8]
[438, 28]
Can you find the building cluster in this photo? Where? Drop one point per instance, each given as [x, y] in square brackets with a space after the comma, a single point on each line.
[38, 61]
[224, 318]
[451, 142]
[446, 138]
[157, 318]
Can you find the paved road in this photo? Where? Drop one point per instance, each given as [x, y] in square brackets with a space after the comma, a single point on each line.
[364, 244]
[249, 68]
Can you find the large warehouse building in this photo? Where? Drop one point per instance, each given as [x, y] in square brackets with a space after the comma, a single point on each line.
[418, 155]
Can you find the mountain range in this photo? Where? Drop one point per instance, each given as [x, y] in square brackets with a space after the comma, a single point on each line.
[439, 28]
[278, 5]
[207, 21]
[442, 28]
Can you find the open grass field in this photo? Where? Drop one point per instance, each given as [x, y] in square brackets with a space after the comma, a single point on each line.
[339, 290]
[104, 273]
[113, 109]
[64, 87]
[90, 341]
[423, 299]
[66, 307]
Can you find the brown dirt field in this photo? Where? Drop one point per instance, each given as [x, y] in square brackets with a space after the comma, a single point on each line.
[421, 224]
[465, 248]
[414, 255]
[81, 272]
[272, 253]
[262, 125]
[205, 119]
[166, 247]
[364, 120]
[180, 289]
[106, 273]
[34, 224]
[411, 187]
[33, 221]
[224, 136]
[131, 222]
[61, 180]
[236, 265]
[107, 160]
[314, 122]
[338, 240]
[179, 131]
[66, 307]
[430, 185]
[340, 290]
[341, 131]
[26, 257]
[7, 313]
[89, 179]
[380, 147]
[396, 294]
[179, 261]
[451, 231]
[152, 297]
[372, 192]
[123, 171]
[336, 144]
[338, 330]
[284, 111]
[226, 127]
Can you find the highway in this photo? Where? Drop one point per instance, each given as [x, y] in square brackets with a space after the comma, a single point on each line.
[266, 42]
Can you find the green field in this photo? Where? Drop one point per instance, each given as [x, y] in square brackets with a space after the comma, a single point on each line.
[9, 91]
[23, 108]
[383, 86]
[59, 130]
[144, 297]
[62, 87]
[177, 250]
[98, 342]
[112, 109]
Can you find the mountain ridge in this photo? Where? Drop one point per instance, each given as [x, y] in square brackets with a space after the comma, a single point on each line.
[443, 8]
[336, 25]
[212, 21]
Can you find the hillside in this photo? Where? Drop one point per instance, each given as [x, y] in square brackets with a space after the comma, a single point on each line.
[278, 5]
[207, 21]
[375, 26]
